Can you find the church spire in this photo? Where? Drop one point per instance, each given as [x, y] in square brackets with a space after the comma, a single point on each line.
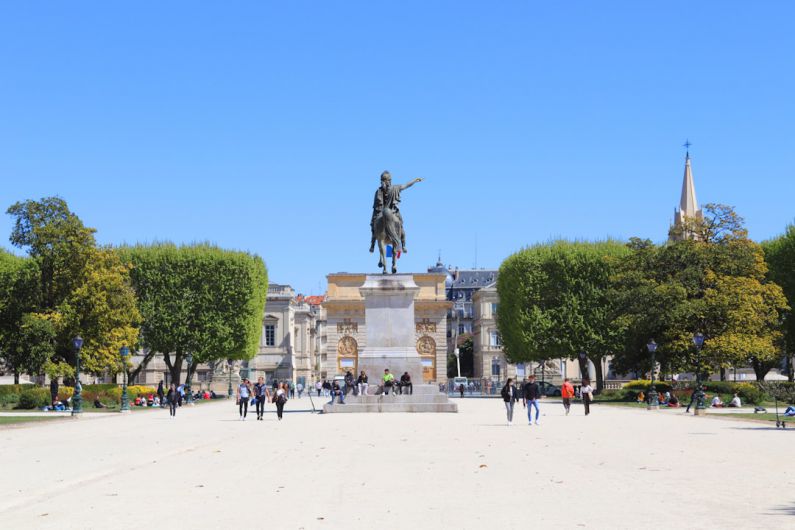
[688, 204]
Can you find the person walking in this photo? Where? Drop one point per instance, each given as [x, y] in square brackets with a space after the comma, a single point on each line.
[361, 382]
[161, 393]
[280, 399]
[531, 394]
[261, 396]
[173, 398]
[243, 394]
[300, 389]
[586, 392]
[567, 392]
[318, 387]
[53, 390]
[509, 396]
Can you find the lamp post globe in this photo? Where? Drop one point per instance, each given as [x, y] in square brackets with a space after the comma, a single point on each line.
[653, 401]
[125, 400]
[701, 409]
[189, 359]
[77, 397]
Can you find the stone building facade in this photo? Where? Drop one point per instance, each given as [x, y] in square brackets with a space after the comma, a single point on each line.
[346, 333]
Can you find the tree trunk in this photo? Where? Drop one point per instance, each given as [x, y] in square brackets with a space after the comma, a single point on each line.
[722, 373]
[16, 376]
[148, 356]
[191, 371]
[600, 377]
[584, 367]
[760, 369]
[175, 367]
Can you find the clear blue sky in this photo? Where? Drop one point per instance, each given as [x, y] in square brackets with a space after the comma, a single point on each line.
[265, 127]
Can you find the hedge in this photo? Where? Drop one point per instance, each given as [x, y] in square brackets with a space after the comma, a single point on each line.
[31, 396]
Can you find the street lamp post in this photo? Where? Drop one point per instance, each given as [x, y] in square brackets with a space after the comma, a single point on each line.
[125, 401]
[701, 409]
[77, 397]
[653, 401]
[189, 359]
[229, 390]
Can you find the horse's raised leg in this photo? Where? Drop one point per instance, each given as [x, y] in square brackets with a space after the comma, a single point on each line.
[381, 253]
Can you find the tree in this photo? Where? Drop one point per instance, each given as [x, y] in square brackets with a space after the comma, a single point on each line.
[19, 296]
[198, 299]
[103, 310]
[780, 257]
[57, 240]
[80, 289]
[713, 282]
[554, 302]
[32, 347]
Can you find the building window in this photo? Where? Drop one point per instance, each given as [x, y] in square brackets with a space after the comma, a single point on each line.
[461, 329]
[495, 340]
[270, 335]
[494, 307]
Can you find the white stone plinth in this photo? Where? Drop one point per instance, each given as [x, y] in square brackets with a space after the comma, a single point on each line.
[389, 315]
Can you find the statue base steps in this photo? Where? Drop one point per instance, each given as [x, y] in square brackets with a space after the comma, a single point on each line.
[426, 398]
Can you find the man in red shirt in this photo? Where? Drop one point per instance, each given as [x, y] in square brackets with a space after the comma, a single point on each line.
[567, 392]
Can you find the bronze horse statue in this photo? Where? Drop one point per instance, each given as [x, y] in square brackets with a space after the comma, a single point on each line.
[387, 231]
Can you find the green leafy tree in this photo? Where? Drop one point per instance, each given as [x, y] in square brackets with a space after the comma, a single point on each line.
[19, 296]
[103, 310]
[554, 302]
[79, 288]
[200, 300]
[713, 282]
[32, 347]
[780, 257]
[59, 243]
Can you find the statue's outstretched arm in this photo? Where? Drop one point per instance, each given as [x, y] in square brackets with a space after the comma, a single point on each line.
[410, 184]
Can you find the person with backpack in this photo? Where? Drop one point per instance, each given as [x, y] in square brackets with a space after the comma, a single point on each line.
[262, 396]
[280, 399]
[161, 393]
[173, 398]
[509, 396]
[531, 394]
[567, 392]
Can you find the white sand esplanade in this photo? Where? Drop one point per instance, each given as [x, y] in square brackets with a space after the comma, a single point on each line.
[618, 468]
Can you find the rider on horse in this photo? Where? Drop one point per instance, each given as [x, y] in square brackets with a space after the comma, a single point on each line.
[387, 197]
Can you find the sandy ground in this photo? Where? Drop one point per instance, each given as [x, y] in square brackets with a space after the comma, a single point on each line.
[618, 468]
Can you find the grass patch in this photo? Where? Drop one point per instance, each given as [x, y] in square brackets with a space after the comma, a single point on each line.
[9, 420]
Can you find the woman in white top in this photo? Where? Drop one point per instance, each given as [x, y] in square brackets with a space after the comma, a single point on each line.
[280, 399]
[586, 392]
[243, 394]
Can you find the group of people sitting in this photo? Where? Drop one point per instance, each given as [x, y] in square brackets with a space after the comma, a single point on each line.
[665, 399]
[734, 403]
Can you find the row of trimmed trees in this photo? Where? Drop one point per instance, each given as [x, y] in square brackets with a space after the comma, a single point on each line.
[609, 298]
[160, 298]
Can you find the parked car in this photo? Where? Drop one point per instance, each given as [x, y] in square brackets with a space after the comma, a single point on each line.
[548, 389]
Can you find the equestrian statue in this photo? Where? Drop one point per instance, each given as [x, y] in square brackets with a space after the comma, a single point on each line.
[386, 225]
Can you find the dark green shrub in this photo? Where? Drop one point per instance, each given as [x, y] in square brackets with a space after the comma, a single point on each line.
[9, 400]
[13, 389]
[34, 398]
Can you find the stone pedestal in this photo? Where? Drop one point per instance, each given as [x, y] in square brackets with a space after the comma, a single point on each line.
[389, 314]
[700, 412]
